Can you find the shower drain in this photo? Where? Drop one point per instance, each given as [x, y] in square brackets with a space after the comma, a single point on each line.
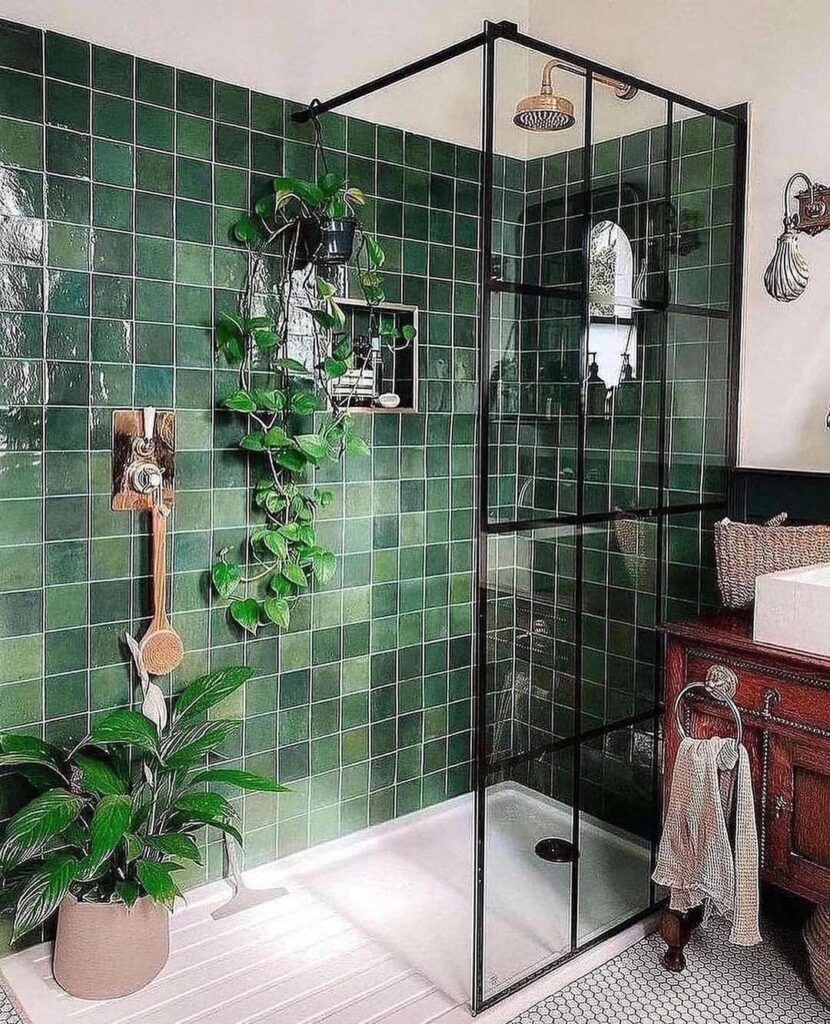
[558, 851]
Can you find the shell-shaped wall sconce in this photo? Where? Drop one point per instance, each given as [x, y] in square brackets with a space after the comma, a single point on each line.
[787, 275]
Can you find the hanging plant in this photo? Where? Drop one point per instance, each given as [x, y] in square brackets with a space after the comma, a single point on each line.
[297, 410]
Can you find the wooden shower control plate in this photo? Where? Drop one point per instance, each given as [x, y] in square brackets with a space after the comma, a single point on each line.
[127, 435]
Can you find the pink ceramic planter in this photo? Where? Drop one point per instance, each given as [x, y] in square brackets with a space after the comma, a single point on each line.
[105, 950]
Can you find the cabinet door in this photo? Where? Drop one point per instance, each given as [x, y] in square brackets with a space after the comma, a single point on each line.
[798, 816]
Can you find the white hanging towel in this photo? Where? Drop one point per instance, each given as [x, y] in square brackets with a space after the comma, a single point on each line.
[696, 860]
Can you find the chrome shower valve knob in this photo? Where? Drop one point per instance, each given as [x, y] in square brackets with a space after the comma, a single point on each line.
[145, 477]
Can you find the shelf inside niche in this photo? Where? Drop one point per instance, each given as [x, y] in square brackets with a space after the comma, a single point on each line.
[397, 372]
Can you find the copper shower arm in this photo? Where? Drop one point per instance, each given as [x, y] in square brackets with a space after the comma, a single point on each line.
[622, 89]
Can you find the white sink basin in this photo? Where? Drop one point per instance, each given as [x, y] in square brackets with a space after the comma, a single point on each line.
[792, 609]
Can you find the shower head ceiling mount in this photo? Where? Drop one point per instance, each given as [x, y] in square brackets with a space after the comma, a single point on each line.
[547, 112]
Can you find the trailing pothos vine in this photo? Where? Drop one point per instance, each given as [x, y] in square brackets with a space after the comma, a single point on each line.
[297, 412]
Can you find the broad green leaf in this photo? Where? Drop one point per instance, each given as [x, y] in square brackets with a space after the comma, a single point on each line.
[274, 503]
[334, 368]
[208, 691]
[374, 250]
[306, 533]
[356, 195]
[324, 319]
[278, 611]
[304, 402]
[157, 881]
[291, 458]
[253, 442]
[43, 818]
[266, 339]
[356, 445]
[325, 288]
[343, 349]
[408, 332]
[240, 779]
[330, 184]
[281, 586]
[15, 743]
[226, 577]
[133, 847]
[199, 742]
[127, 892]
[276, 437]
[295, 574]
[230, 337]
[246, 230]
[127, 727]
[271, 399]
[324, 498]
[176, 844]
[324, 565]
[96, 776]
[275, 542]
[246, 614]
[292, 365]
[311, 445]
[43, 893]
[109, 823]
[205, 806]
[15, 759]
[240, 401]
[265, 206]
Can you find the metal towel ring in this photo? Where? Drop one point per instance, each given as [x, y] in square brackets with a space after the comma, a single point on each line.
[718, 687]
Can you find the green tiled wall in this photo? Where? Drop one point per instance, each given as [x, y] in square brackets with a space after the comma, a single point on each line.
[119, 181]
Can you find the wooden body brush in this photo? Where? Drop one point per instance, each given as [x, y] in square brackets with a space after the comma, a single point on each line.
[161, 647]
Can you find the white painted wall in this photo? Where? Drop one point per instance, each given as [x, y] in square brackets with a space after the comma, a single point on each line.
[772, 53]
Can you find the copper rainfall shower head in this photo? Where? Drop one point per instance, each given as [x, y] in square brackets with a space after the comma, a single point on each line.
[547, 112]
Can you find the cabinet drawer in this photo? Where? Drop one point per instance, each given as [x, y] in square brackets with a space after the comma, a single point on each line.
[803, 701]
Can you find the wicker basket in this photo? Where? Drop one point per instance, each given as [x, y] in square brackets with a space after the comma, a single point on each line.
[745, 551]
[817, 943]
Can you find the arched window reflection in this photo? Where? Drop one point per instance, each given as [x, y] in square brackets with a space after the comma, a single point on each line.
[612, 340]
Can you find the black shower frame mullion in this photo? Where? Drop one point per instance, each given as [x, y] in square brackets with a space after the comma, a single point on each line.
[485, 528]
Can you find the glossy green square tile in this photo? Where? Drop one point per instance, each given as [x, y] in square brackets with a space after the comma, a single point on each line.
[112, 117]
[66, 605]
[193, 222]
[112, 296]
[194, 179]
[68, 200]
[154, 385]
[67, 106]
[154, 341]
[65, 694]
[112, 207]
[67, 58]
[68, 246]
[194, 93]
[267, 114]
[154, 301]
[154, 214]
[154, 82]
[67, 429]
[231, 103]
[154, 170]
[231, 145]
[112, 71]
[21, 47]
[67, 292]
[112, 252]
[153, 127]
[20, 95]
[266, 154]
[111, 341]
[112, 163]
[21, 144]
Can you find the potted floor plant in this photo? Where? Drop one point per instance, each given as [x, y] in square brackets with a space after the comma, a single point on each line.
[112, 822]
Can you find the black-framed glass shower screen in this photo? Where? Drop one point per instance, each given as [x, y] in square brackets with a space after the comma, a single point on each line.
[609, 312]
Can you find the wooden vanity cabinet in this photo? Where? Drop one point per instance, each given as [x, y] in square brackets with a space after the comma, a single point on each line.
[784, 700]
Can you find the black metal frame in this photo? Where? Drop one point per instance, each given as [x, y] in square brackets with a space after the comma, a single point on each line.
[486, 40]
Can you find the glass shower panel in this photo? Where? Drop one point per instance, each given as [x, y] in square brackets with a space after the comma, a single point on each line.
[526, 917]
[531, 642]
[703, 204]
[617, 811]
[534, 402]
[627, 261]
[689, 580]
[697, 396]
[619, 616]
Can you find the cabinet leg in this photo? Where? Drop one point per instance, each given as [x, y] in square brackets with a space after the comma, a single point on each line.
[675, 930]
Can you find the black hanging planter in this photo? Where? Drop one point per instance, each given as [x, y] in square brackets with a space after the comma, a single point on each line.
[328, 242]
